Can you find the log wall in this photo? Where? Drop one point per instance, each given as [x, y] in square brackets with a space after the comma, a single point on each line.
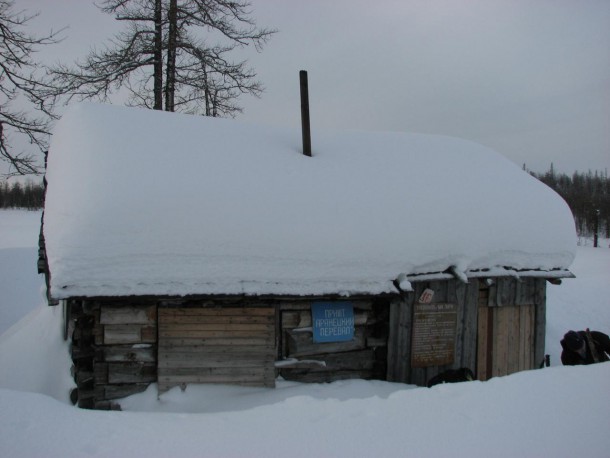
[362, 357]
[121, 345]
[114, 349]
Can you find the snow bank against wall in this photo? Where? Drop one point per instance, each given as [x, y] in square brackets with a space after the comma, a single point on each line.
[145, 202]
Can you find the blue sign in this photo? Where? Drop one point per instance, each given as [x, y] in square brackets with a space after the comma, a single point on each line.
[332, 321]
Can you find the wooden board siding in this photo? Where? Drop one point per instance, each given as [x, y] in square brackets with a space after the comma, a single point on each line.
[506, 340]
[500, 330]
[401, 324]
[511, 326]
[216, 345]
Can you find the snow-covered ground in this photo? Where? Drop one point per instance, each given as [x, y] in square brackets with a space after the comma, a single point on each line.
[558, 411]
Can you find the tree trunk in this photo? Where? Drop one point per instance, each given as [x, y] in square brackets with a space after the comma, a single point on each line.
[158, 67]
[172, 37]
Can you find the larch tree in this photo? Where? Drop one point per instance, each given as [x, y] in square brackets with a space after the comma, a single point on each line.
[171, 55]
[24, 111]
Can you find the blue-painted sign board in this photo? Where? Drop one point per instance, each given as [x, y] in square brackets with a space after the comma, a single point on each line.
[332, 321]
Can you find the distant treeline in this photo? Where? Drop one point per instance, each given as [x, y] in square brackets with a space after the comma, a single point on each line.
[27, 195]
[587, 194]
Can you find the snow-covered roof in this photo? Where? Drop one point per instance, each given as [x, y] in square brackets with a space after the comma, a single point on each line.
[141, 202]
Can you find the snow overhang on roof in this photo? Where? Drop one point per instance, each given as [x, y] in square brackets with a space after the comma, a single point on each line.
[141, 202]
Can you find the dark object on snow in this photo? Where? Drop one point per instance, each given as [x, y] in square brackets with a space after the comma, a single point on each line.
[584, 347]
[546, 362]
[463, 374]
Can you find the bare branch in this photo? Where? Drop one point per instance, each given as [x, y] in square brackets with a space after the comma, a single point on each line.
[159, 61]
[21, 83]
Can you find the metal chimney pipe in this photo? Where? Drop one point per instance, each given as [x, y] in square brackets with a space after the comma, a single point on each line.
[305, 113]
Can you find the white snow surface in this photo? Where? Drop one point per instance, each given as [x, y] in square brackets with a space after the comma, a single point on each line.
[145, 202]
[557, 411]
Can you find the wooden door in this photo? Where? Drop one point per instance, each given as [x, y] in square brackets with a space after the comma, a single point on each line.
[506, 340]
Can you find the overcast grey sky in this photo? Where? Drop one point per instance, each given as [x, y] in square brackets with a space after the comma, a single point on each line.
[529, 78]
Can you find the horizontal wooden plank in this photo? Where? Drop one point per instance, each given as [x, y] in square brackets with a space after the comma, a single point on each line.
[131, 373]
[122, 334]
[166, 374]
[164, 387]
[239, 319]
[306, 376]
[302, 319]
[128, 314]
[121, 391]
[355, 360]
[196, 357]
[376, 342]
[216, 311]
[225, 327]
[129, 334]
[211, 363]
[301, 344]
[149, 334]
[116, 353]
[222, 334]
[223, 341]
[167, 347]
[260, 378]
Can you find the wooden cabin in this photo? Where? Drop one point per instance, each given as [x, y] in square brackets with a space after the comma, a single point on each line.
[187, 250]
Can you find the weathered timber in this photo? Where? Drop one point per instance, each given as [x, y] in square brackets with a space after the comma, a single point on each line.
[372, 342]
[468, 331]
[114, 350]
[129, 353]
[306, 376]
[505, 291]
[399, 341]
[238, 376]
[200, 363]
[216, 345]
[217, 311]
[122, 391]
[100, 371]
[241, 341]
[483, 347]
[221, 327]
[168, 347]
[302, 319]
[540, 317]
[353, 360]
[124, 314]
[216, 319]
[122, 334]
[301, 344]
[174, 333]
[131, 373]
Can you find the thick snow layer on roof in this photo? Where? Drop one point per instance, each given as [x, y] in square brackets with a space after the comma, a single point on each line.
[145, 202]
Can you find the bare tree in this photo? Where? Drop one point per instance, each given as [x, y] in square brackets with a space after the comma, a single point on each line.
[21, 89]
[165, 60]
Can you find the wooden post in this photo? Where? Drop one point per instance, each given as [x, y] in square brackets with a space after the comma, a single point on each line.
[305, 113]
